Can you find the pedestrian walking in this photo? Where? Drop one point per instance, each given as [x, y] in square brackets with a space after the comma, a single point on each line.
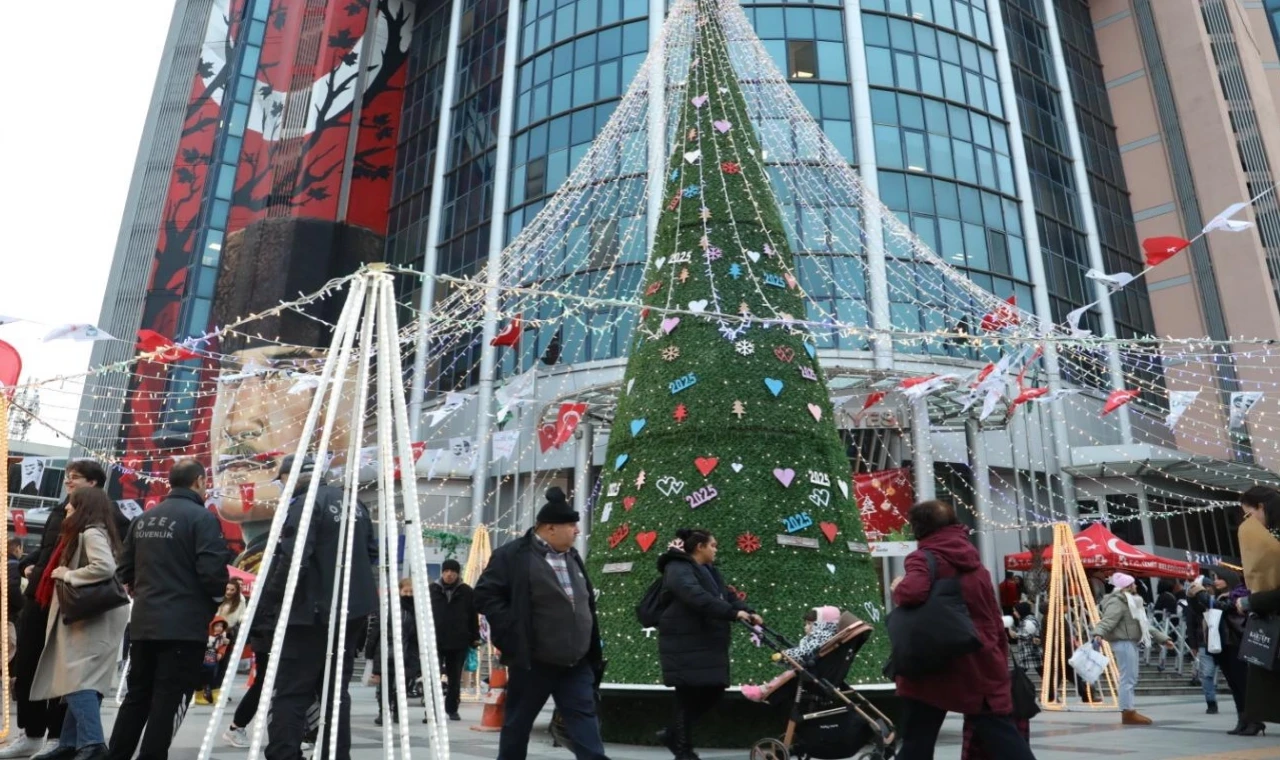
[38, 717]
[1259, 536]
[304, 656]
[694, 633]
[402, 606]
[541, 609]
[976, 685]
[79, 658]
[175, 563]
[1125, 626]
[453, 607]
[1219, 601]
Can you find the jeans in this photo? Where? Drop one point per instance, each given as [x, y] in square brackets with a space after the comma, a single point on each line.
[574, 692]
[162, 675]
[1208, 669]
[83, 725]
[921, 723]
[1126, 653]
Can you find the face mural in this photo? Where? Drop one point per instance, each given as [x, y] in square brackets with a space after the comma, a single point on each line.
[263, 398]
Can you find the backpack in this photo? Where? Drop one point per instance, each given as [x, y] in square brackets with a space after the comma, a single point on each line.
[652, 604]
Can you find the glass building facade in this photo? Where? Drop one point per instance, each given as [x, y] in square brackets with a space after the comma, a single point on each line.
[941, 137]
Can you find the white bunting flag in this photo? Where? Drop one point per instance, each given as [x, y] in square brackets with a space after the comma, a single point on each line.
[78, 333]
[504, 444]
[130, 508]
[1060, 393]
[9, 320]
[926, 386]
[33, 470]
[1179, 403]
[1073, 320]
[452, 403]
[1114, 282]
[517, 390]
[989, 403]
[1224, 221]
[463, 451]
[1241, 403]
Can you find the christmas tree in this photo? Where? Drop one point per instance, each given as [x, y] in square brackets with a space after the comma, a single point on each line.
[724, 419]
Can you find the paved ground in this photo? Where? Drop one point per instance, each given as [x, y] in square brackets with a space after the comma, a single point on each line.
[1182, 732]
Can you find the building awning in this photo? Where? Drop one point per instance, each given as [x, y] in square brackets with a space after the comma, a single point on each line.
[1146, 460]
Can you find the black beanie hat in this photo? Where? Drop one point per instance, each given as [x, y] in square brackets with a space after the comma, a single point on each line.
[450, 564]
[557, 510]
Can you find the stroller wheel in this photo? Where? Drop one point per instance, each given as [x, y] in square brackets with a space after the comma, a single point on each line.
[769, 749]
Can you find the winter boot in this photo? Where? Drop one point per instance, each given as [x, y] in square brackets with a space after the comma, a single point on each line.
[1134, 718]
[1212, 709]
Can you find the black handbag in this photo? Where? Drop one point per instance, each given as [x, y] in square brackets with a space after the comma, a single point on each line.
[76, 603]
[1025, 706]
[1260, 641]
[926, 638]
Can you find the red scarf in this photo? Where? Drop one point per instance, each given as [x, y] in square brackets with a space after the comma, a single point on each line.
[44, 591]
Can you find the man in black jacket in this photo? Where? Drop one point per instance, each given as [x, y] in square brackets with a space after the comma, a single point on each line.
[174, 562]
[303, 656]
[37, 717]
[541, 610]
[453, 608]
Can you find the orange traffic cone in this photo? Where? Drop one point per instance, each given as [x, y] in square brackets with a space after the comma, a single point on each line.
[495, 702]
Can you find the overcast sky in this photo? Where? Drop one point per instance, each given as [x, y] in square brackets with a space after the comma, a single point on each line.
[75, 106]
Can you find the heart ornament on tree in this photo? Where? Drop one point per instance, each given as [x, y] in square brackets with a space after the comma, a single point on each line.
[816, 411]
[830, 530]
[737, 466]
[699, 306]
[646, 539]
[628, 502]
[706, 465]
[785, 476]
[637, 426]
[774, 385]
[669, 324]
[669, 486]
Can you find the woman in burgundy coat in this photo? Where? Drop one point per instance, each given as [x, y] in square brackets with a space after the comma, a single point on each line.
[975, 685]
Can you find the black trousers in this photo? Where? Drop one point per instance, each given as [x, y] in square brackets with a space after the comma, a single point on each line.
[1236, 671]
[921, 723]
[453, 660]
[162, 676]
[692, 702]
[299, 679]
[573, 689]
[248, 706]
[40, 716]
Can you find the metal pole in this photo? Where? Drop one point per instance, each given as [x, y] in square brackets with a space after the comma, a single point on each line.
[981, 494]
[427, 295]
[582, 482]
[922, 456]
[873, 226]
[497, 240]
[1087, 214]
[657, 118]
[1035, 255]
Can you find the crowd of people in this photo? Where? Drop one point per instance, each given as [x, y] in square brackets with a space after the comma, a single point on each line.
[161, 584]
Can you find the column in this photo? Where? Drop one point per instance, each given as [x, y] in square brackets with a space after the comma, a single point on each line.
[1035, 257]
[427, 296]
[981, 494]
[657, 117]
[582, 456]
[497, 241]
[922, 456]
[1087, 213]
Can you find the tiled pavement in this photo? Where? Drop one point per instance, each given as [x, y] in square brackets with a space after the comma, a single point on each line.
[1182, 732]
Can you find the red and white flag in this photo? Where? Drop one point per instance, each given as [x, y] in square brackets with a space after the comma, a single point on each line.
[79, 333]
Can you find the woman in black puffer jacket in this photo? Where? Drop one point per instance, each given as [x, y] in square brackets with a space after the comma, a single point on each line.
[694, 633]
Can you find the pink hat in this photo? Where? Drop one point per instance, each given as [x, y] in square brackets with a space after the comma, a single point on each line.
[1121, 580]
[828, 614]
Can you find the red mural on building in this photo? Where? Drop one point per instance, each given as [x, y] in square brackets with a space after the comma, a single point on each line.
[293, 157]
[883, 500]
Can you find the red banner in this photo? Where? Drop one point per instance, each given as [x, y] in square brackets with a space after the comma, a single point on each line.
[567, 422]
[20, 524]
[883, 500]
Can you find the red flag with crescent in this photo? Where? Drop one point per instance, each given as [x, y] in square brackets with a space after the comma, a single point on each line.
[567, 422]
[509, 335]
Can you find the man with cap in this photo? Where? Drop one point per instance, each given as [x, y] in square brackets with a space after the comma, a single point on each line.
[453, 606]
[541, 610]
[304, 654]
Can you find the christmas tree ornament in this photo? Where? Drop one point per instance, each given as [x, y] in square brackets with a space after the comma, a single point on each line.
[636, 427]
[816, 411]
[798, 522]
[683, 383]
[748, 543]
[671, 353]
[754, 256]
[681, 413]
[620, 461]
[706, 465]
[699, 306]
[735, 271]
[784, 476]
[774, 385]
[722, 126]
[739, 409]
[737, 466]
[784, 353]
[730, 167]
[702, 496]
[830, 530]
[640, 480]
[669, 486]
[646, 539]
[700, 101]
[628, 502]
[693, 156]
[744, 347]
[619, 535]
[669, 324]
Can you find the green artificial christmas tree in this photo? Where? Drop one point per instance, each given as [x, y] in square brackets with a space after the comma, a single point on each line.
[724, 420]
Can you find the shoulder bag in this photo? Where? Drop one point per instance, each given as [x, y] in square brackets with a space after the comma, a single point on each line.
[1260, 641]
[925, 639]
[76, 603]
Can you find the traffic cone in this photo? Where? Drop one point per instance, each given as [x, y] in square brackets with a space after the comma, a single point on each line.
[495, 702]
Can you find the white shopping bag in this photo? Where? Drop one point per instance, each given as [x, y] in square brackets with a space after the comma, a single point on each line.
[1211, 620]
[1088, 663]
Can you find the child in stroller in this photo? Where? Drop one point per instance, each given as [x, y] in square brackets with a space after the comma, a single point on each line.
[820, 625]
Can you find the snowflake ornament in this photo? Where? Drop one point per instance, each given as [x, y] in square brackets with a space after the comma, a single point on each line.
[671, 353]
[748, 543]
[714, 253]
[692, 191]
[744, 348]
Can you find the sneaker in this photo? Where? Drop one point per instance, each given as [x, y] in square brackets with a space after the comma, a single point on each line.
[23, 746]
[236, 737]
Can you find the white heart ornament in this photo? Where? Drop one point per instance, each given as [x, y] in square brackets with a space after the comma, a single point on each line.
[659, 262]
[693, 156]
[754, 256]
[737, 466]
[844, 488]
[697, 307]
[831, 568]
[630, 384]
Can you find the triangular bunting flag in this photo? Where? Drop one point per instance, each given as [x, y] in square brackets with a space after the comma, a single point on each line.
[1160, 249]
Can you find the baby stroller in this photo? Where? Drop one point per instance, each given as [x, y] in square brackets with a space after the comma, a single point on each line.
[827, 719]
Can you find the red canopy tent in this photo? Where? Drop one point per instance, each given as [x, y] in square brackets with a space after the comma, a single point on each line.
[1100, 549]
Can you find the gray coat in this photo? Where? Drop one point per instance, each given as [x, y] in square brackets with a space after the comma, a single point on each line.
[82, 655]
[1119, 624]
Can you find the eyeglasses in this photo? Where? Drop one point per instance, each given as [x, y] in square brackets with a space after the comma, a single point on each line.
[73, 477]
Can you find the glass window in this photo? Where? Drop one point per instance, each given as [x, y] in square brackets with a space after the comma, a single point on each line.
[800, 22]
[584, 86]
[875, 29]
[769, 23]
[888, 147]
[830, 26]
[879, 66]
[946, 199]
[905, 64]
[975, 246]
[893, 189]
[610, 43]
[917, 154]
[884, 107]
[831, 61]
[635, 38]
[802, 59]
[910, 111]
[835, 102]
[940, 156]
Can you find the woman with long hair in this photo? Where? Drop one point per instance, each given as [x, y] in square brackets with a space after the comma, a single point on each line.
[1260, 552]
[231, 608]
[79, 658]
[694, 633]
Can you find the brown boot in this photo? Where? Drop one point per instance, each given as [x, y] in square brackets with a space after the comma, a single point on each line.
[1134, 718]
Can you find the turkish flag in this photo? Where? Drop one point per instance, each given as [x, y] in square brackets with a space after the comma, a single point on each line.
[547, 437]
[1160, 249]
[883, 499]
[874, 398]
[1025, 396]
[1118, 399]
[567, 422]
[417, 449]
[509, 335]
[150, 341]
[20, 523]
[1005, 315]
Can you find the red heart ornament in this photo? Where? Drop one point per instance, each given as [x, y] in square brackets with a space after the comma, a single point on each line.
[706, 464]
[644, 313]
[829, 530]
[547, 437]
[646, 539]
[628, 502]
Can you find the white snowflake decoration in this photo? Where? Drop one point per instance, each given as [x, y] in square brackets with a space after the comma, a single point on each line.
[671, 353]
[744, 347]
